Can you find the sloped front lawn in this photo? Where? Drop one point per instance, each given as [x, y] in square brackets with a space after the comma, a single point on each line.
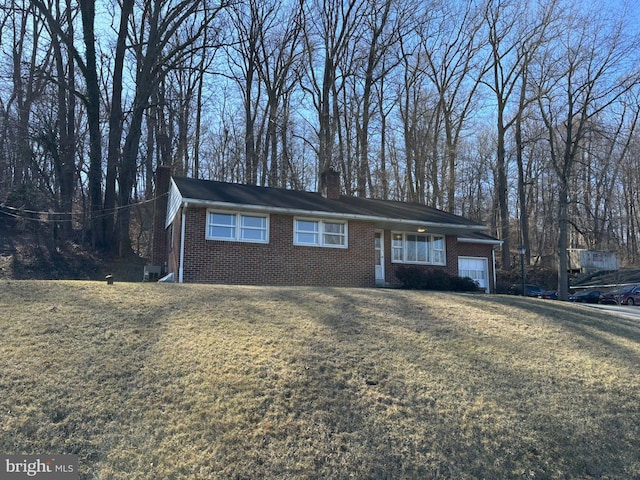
[153, 381]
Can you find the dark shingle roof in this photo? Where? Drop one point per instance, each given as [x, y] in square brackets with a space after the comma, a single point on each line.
[213, 192]
[479, 237]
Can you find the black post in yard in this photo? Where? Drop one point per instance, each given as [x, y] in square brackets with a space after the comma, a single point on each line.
[522, 251]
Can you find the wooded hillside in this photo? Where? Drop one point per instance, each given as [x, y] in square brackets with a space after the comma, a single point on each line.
[520, 115]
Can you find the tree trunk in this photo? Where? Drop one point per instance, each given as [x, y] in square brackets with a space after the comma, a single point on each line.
[115, 125]
[65, 164]
[128, 164]
[522, 194]
[563, 238]
[502, 195]
[88, 12]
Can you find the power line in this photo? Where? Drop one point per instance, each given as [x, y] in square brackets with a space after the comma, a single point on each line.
[37, 216]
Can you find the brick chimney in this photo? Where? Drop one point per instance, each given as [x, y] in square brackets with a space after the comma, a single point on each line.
[159, 243]
[330, 184]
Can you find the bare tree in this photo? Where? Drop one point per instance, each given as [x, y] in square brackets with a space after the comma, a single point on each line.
[331, 28]
[455, 66]
[165, 36]
[64, 152]
[26, 32]
[514, 35]
[475, 164]
[416, 107]
[116, 122]
[579, 81]
[207, 56]
[280, 54]
[248, 17]
[386, 105]
[91, 99]
[382, 23]
[593, 206]
[629, 193]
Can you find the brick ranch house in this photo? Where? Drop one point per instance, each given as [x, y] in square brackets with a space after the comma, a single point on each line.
[216, 232]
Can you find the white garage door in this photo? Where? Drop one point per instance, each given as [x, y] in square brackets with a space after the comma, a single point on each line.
[476, 268]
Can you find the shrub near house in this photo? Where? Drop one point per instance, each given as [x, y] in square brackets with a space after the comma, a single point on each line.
[416, 279]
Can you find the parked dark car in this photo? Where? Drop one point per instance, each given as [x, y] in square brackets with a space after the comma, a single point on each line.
[626, 295]
[550, 295]
[586, 296]
[529, 289]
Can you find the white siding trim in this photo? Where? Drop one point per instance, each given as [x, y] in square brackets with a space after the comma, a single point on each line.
[173, 203]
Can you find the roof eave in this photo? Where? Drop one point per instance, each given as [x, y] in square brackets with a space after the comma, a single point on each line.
[334, 215]
[487, 241]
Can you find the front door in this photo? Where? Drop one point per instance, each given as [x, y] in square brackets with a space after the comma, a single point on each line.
[379, 257]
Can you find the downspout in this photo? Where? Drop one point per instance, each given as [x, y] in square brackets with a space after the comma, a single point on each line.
[182, 235]
[495, 278]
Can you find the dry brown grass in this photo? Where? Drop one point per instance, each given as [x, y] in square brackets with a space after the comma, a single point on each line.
[153, 381]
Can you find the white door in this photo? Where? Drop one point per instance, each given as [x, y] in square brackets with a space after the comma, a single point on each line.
[379, 256]
[476, 268]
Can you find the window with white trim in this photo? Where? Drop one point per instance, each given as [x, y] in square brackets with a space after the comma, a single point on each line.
[439, 257]
[418, 248]
[237, 227]
[319, 233]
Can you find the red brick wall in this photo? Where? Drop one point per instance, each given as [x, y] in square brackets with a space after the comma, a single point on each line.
[279, 262]
[454, 249]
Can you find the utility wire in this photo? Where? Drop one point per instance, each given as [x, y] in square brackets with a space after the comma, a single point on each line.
[34, 215]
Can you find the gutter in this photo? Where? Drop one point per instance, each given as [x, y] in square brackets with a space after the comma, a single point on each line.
[480, 241]
[182, 236]
[324, 214]
[495, 275]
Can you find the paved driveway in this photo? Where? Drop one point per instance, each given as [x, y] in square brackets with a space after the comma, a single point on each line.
[626, 311]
